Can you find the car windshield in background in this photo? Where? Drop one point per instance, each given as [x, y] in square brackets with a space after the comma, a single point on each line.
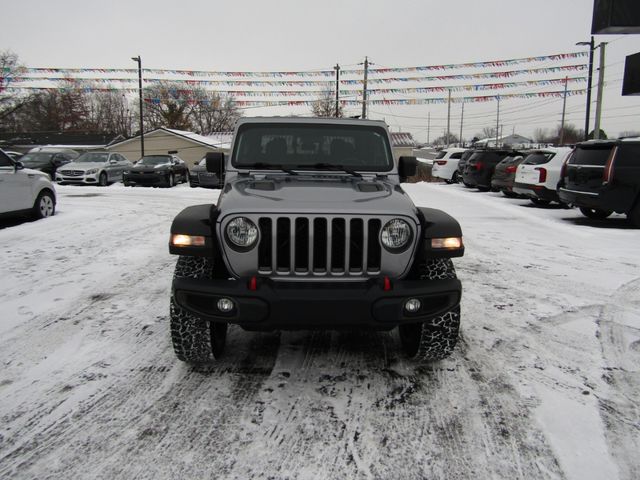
[155, 160]
[591, 156]
[538, 158]
[313, 147]
[440, 154]
[92, 158]
[32, 159]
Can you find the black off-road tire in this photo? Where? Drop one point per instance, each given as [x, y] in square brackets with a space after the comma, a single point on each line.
[434, 340]
[44, 206]
[456, 177]
[195, 340]
[595, 213]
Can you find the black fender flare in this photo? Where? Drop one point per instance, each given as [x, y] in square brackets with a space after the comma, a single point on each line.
[437, 224]
[196, 220]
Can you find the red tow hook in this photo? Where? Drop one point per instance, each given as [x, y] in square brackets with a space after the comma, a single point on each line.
[253, 283]
[387, 284]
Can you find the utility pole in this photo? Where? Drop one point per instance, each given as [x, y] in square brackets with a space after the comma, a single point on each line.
[364, 89]
[337, 69]
[589, 86]
[596, 132]
[449, 119]
[428, 126]
[564, 109]
[498, 122]
[461, 123]
[139, 61]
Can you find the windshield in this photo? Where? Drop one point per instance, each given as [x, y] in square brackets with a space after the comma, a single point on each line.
[31, 159]
[93, 157]
[155, 160]
[313, 146]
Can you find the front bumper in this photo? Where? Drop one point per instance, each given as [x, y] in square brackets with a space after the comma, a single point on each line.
[311, 305]
[145, 178]
[86, 179]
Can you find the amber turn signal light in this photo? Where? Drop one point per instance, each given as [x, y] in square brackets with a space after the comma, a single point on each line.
[180, 240]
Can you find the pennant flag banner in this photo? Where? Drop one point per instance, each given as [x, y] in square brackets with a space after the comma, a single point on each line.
[459, 66]
[308, 83]
[308, 73]
[316, 93]
[404, 101]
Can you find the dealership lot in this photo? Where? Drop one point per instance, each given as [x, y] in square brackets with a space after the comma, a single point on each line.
[544, 383]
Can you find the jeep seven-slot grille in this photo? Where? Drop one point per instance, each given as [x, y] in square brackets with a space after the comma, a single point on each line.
[319, 245]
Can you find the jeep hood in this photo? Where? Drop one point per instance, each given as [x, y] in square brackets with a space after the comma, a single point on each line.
[315, 194]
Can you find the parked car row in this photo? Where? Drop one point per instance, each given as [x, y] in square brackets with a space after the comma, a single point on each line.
[102, 168]
[598, 176]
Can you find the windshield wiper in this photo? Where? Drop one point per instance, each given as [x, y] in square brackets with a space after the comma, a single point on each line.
[331, 166]
[269, 166]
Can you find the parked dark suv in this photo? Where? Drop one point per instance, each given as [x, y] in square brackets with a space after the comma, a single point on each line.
[481, 165]
[602, 177]
[505, 174]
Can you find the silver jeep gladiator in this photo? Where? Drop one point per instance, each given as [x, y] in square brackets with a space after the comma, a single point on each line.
[312, 230]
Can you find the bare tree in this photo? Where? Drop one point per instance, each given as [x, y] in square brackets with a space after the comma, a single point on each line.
[10, 67]
[489, 132]
[110, 112]
[168, 105]
[541, 135]
[213, 113]
[325, 105]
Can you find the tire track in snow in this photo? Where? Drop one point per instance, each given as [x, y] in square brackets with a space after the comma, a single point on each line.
[619, 335]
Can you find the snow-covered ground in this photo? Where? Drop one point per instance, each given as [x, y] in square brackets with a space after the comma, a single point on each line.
[544, 384]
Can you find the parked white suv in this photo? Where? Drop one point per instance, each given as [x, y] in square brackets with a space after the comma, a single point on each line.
[25, 191]
[445, 165]
[538, 175]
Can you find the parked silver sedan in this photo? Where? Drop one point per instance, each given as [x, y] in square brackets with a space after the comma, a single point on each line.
[95, 168]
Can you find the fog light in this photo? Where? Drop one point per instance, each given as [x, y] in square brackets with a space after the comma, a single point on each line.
[225, 305]
[412, 305]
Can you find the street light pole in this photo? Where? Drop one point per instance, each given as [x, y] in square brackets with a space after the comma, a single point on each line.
[139, 61]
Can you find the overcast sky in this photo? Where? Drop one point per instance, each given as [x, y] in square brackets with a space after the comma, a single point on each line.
[281, 35]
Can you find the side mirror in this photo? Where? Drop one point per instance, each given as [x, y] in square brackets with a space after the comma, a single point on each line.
[19, 165]
[113, 161]
[215, 162]
[407, 167]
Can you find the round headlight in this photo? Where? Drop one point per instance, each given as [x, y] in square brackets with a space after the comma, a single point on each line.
[242, 232]
[395, 234]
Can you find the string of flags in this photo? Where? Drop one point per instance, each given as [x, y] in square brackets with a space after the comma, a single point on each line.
[315, 93]
[308, 83]
[309, 73]
[401, 101]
